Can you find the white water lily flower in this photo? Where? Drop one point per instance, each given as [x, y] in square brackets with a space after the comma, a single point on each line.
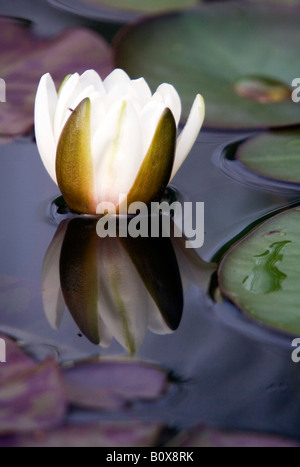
[102, 139]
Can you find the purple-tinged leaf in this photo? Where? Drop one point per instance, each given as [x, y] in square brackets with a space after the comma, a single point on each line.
[127, 434]
[113, 385]
[25, 58]
[16, 361]
[32, 396]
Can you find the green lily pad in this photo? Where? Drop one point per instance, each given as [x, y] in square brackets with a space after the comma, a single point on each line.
[275, 155]
[146, 6]
[241, 57]
[122, 10]
[261, 273]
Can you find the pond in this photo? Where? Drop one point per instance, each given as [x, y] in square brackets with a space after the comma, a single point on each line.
[226, 371]
[231, 373]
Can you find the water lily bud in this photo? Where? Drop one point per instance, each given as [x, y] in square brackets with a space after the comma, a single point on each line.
[101, 140]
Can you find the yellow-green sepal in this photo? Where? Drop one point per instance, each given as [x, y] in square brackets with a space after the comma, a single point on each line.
[155, 172]
[74, 164]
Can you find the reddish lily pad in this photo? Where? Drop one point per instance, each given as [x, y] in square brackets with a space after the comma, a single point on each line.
[220, 50]
[206, 438]
[133, 434]
[16, 360]
[25, 58]
[114, 384]
[32, 396]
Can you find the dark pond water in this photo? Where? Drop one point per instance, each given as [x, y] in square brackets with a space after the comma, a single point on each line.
[233, 373]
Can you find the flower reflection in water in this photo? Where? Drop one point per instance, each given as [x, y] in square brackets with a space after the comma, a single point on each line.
[114, 287]
[117, 287]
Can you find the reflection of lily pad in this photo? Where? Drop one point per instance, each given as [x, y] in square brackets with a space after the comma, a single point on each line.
[261, 273]
[274, 155]
[31, 395]
[233, 54]
[25, 58]
[113, 385]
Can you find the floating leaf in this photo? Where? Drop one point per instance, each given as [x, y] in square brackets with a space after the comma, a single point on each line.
[144, 6]
[113, 434]
[25, 58]
[122, 9]
[261, 273]
[209, 438]
[222, 51]
[32, 396]
[113, 385]
[16, 360]
[275, 155]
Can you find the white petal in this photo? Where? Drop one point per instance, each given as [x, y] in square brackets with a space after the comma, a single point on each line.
[142, 91]
[92, 78]
[45, 105]
[122, 91]
[98, 112]
[53, 300]
[150, 117]
[123, 298]
[157, 97]
[66, 97]
[117, 152]
[171, 99]
[87, 92]
[189, 134]
[118, 76]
